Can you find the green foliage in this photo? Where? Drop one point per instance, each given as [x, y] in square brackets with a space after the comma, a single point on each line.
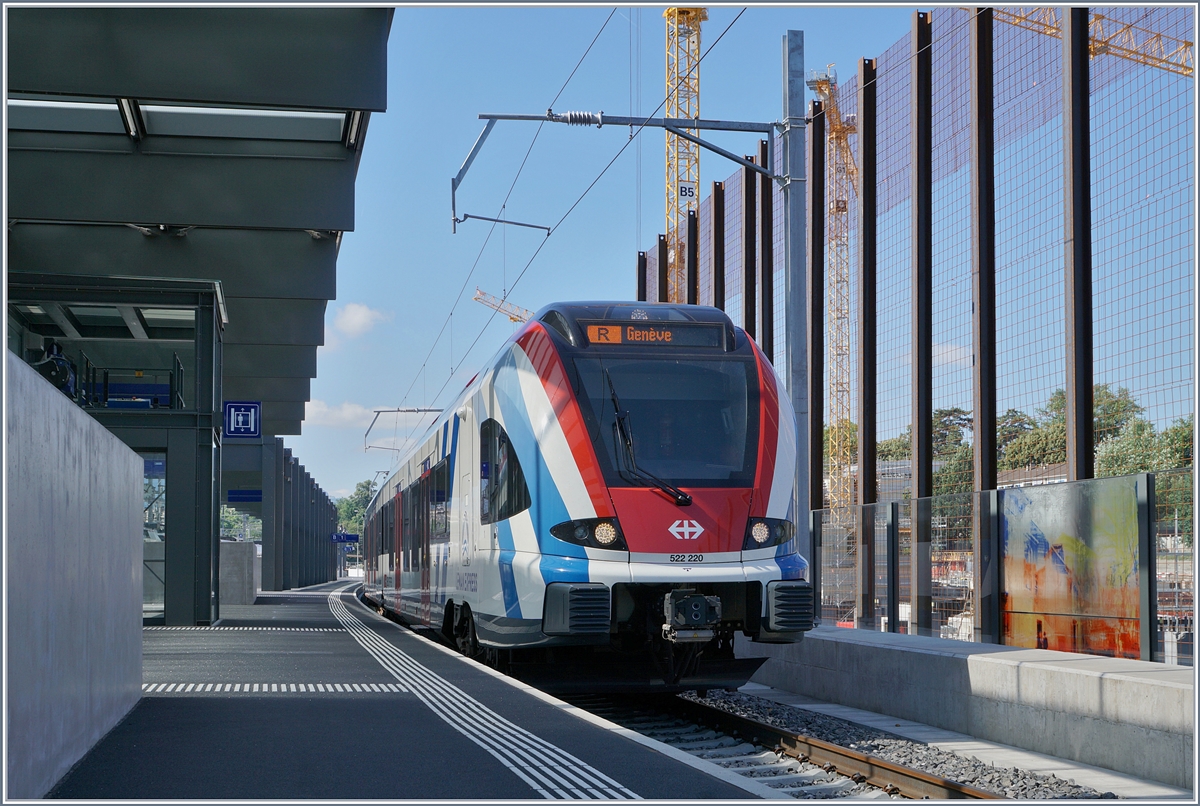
[957, 473]
[235, 527]
[1174, 446]
[895, 449]
[1044, 445]
[1111, 410]
[845, 428]
[1010, 426]
[352, 507]
[1130, 450]
[949, 426]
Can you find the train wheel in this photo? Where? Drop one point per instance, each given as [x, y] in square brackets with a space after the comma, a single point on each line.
[464, 633]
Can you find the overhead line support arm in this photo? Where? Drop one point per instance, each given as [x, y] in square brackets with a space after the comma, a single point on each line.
[674, 125]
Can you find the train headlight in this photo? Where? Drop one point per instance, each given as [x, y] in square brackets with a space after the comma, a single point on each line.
[765, 532]
[600, 533]
[605, 533]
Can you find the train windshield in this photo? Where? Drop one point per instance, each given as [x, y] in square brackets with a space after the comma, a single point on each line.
[693, 421]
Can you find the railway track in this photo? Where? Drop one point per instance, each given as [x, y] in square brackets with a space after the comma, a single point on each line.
[800, 766]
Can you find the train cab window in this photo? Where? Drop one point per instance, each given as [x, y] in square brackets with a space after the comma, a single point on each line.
[502, 489]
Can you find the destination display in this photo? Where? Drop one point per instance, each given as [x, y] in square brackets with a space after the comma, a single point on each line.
[659, 334]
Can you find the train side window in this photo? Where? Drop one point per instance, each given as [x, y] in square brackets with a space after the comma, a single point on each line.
[502, 489]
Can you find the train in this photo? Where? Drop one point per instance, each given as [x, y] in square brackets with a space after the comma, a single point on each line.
[604, 506]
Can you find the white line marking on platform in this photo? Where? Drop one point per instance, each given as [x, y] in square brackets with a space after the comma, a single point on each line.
[548, 769]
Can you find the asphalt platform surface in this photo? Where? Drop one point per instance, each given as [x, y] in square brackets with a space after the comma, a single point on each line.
[308, 694]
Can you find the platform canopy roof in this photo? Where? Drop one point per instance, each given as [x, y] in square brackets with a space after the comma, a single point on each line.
[201, 143]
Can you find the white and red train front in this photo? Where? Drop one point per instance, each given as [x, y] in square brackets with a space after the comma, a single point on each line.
[619, 477]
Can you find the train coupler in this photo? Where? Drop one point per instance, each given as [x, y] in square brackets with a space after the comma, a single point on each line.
[690, 616]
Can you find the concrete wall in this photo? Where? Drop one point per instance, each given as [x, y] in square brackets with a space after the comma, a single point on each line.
[74, 581]
[240, 573]
[1130, 716]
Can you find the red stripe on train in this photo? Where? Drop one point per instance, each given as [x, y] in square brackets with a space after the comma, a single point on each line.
[546, 362]
[768, 434]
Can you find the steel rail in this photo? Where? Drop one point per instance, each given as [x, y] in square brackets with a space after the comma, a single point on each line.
[890, 777]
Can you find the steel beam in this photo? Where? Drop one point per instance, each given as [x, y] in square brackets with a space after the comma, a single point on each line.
[766, 253]
[868, 483]
[266, 388]
[794, 278]
[749, 253]
[307, 58]
[106, 179]
[278, 264]
[816, 304]
[717, 209]
[663, 270]
[922, 320]
[275, 321]
[279, 361]
[983, 250]
[1077, 234]
[693, 258]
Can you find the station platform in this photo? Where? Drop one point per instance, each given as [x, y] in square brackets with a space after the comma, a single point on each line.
[309, 694]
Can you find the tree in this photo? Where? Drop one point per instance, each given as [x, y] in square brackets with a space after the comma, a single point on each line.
[948, 427]
[1044, 445]
[1110, 410]
[1011, 425]
[1173, 448]
[957, 473]
[1130, 450]
[896, 449]
[352, 508]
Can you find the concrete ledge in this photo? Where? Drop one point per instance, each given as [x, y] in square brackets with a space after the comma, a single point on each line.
[240, 573]
[1125, 715]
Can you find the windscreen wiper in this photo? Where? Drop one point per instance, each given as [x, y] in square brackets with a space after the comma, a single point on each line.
[627, 463]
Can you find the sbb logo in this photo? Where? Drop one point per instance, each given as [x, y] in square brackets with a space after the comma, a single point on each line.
[686, 530]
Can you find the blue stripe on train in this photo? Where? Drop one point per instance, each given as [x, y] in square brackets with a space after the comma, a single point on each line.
[548, 507]
[508, 583]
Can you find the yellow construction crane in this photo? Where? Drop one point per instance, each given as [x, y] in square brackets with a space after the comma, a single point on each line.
[515, 313]
[1109, 36]
[683, 156]
[841, 184]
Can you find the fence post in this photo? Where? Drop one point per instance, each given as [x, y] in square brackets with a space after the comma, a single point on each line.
[1147, 573]
[814, 529]
[893, 566]
[987, 567]
[866, 568]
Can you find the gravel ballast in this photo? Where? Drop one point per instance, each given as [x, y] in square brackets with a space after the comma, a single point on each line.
[1009, 782]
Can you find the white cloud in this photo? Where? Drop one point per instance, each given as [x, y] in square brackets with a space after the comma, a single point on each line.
[355, 319]
[951, 354]
[345, 415]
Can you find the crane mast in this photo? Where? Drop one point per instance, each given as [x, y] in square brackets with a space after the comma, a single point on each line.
[842, 184]
[683, 156]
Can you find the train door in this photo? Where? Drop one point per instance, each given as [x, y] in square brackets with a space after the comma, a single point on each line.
[394, 533]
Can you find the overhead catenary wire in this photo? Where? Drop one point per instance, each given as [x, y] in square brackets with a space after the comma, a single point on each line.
[492, 229]
[581, 197]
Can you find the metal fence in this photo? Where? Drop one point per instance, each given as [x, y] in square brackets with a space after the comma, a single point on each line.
[1088, 541]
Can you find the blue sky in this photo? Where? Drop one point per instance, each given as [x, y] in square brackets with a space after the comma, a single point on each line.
[401, 270]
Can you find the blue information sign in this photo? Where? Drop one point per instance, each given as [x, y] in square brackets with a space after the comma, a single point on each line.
[343, 537]
[243, 418]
